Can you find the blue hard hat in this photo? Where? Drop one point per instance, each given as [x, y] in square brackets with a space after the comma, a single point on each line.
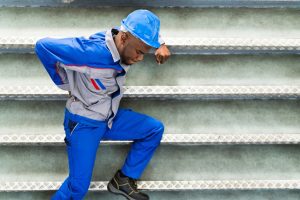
[144, 25]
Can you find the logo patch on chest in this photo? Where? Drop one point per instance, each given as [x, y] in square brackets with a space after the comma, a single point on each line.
[97, 84]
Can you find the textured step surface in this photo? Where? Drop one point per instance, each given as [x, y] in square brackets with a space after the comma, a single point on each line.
[162, 92]
[172, 139]
[164, 185]
[181, 45]
[179, 117]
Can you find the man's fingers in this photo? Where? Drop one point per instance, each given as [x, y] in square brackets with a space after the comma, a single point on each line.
[158, 58]
[163, 58]
[162, 54]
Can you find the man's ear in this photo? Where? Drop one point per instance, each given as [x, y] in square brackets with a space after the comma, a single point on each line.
[124, 37]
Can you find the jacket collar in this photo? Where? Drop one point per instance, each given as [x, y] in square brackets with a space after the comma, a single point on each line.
[113, 49]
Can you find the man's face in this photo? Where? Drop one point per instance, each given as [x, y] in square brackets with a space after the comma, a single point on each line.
[133, 49]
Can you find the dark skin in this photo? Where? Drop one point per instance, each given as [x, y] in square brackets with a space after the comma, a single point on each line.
[132, 49]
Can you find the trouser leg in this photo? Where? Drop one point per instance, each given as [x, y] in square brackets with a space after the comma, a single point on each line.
[82, 144]
[145, 131]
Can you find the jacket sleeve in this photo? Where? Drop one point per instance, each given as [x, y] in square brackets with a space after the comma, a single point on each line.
[161, 40]
[57, 54]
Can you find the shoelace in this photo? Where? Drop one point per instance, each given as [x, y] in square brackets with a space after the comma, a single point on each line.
[133, 182]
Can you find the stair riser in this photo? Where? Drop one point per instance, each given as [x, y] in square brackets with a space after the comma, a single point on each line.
[179, 70]
[217, 22]
[258, 162]
[190, 195]
[184, 117]
[154, 3]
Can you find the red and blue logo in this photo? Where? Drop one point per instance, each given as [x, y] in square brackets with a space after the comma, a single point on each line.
[97, 84]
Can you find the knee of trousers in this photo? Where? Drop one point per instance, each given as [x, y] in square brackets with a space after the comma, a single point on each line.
[157, 130]
[79, 187]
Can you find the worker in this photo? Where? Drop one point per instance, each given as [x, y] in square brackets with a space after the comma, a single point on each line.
[93, 71]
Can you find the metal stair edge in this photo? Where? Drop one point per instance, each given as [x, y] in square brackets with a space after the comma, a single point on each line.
[187, 45]
[164, 185]
[170, 139]
[163, 92]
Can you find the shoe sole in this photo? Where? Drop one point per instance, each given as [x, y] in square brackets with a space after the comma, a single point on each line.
[114, 190]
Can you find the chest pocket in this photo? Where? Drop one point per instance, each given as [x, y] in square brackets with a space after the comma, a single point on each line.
[104, 82]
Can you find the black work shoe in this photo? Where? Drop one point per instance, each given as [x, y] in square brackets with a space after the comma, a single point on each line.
[125, 186]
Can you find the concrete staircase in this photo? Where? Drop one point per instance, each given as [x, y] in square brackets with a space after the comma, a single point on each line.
[228, 96]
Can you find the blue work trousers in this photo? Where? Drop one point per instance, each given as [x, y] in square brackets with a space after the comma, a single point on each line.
[83, 139]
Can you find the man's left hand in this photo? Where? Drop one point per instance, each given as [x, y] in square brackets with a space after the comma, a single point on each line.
[162, 54]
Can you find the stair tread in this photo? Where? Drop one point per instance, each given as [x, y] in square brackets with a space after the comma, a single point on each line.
[198, 139]
[208, 91]
[185, 45]
[165, 185]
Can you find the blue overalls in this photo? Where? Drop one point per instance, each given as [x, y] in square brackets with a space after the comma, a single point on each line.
[83, 134]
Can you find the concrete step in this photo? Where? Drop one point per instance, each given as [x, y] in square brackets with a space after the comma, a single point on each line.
[165, 185]
[170, 139]
[245, 23]
[179, 70]
[218, 92]
[239, 140]
[154, 3]
[187, 163]
[179, 117]
[174, 195]
[187, 45]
